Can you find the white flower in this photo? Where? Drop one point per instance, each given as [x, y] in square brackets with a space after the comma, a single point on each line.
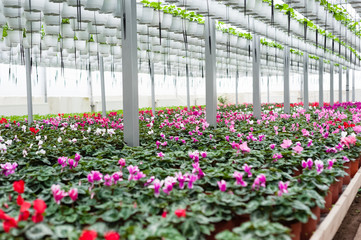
[25, 153]
[30, 145]
[38, 137]
[1, 139]
[3, 148]
[151, 132]
[73, 127]
[343, 134]
[74, 140]
[111, 131]
[45, 137]
[251, 122]
[98, 131]
[40, 143]
[23, 128]
[42, 151]
[89, 130]
[59, 139]
[9, 142]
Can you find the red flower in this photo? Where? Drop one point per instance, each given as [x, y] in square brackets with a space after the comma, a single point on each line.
[39, 206]
[19, 200]
[112, 236]
[37, 217]
[164, 214]
[3, 216]
[88, 235]
[33, 130]
[9, 223]
[23, 216]
[180, 213]
[25, 206]
[19, 186]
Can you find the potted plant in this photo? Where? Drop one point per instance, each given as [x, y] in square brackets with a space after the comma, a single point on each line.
[94, 5]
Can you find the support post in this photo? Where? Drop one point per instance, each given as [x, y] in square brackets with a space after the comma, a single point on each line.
[320, 82]
[130, 73]
[305, 81]
[28, 86]
[44, 82]
[286, 81]
[256, 77]
[90, 89]
[102, 82]
[268, 96]
[332, 90]
[188, 87]
[237, 78]
[353, 86]
[347, 85]
[211, 76]
[152, 86]
[340, 84]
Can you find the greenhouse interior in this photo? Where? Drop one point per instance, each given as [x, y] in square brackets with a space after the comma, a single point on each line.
[180, 119]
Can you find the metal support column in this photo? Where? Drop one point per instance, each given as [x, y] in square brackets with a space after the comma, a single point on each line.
[320, 81]
[152, 87]
[268, 96]
[286, 81]
[305, 81]
[28, 86]
[211, 76]
[102, 85]
[340, 84]
[353, 86]
[332, 90]
[44, 82]
[90, 89]
[237, 78]
[347, 85]
[188, 87]
[256, 76]
[130, 73]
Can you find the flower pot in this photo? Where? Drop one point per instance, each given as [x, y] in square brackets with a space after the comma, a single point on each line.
[68, 11]
[67, 31]
[67, 43]
[354, 167]
[145, 14]
[335, 191]
[296, 229]
[36, 5]
[94, 5]
[13, 3]
[340, 184]
[80, 45]
[52, 9]
[52, 30]
[33, 26]
[328, 200]
[51, 20]
[347, 178]
[109, 6]
[167, 21]
[309, 227]
[113, 22]
[16, 23]
[51, 40]
[33, 38]
[73, 3]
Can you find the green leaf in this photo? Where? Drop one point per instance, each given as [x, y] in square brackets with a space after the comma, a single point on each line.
[111, 215]
[38, 231]
[63, 231]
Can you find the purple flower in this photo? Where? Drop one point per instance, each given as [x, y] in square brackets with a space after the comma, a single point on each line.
[227, 138]
[282, 188]
[8, 168]
[149, 181]
[160, 155]
[345, 159]
[309, 144]
[239, 179]
[277, 156]
[222, 185]
[247, 169]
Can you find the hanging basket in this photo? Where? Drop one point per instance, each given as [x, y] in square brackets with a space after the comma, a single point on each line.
[73, 3]
[145, 14]
[67, 43]
[10, 12]
[109, 6]
[67, 31]
[80, 45]
[52, 30]
[68, 11]
[51, 40]
[13, 3]
[33, 16]
[33, 26]
[94, 5]
[14, 37]
[52, 9]
[100, 19]
[113, 22]
[36, 5]
[16, 23]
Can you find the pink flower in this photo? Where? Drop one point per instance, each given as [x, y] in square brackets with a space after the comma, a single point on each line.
[72, 163]
[330, 163]
[133, 170]
[282, 188]
[108, 181]
[169, 182]
[157, 184]
[309, 144]
[298, 149]
[73, 194]
[286, 143]
[357, 129]
[272, 146]
[117, 176]
[222, 185]
[319, 166]
[58, 194]
[345, 159]
[260, 181]
[244, 148]
[204, 154]
[160, 155]
[239, 179]
[247, 169]
[227, 138]
[95, 176]
[181, 179]
[277, 156]
[62, 161]
[191, 179]
[121, 162]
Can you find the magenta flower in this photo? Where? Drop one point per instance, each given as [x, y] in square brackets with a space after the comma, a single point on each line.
[73, 194]
[139, 176]
[309, 144]
[222, 185]
[260, 181]
[247, 169]
[169, 182]
[272, 146]
[133, 170]
[117, 176]
[319, 166]
[282, 188]
[157, 184]
[227, 138]
[8, 168]
[298, 149]
[277, 156]
[158, 144]
[191, 179]
[330, 163]
[239, 179]
[72, 163]
[95, 176]
[204, 154]
[121, 162]
[160, 155]
[181, 179]
[63, 161]
[77, 157]
[345, 159]
[58, 194]
[108, 181]
[286, 143]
